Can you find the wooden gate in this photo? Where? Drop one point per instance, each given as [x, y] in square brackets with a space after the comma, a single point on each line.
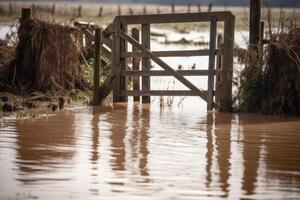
[222, 89]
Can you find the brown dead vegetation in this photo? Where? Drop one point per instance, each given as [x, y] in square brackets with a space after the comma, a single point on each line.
[44, 57]
[273, 85]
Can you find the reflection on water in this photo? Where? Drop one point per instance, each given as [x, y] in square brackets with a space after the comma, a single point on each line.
[147, 152]
[42, 145]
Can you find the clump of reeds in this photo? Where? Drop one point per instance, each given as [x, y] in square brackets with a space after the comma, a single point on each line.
[47, 57]
[7, 55]
[281, 78]
[273, 85]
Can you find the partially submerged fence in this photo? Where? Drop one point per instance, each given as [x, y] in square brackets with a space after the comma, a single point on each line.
[115, 39]
[222, 90]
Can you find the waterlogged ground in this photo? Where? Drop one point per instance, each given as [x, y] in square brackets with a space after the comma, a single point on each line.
[170, 150]
[149, 152]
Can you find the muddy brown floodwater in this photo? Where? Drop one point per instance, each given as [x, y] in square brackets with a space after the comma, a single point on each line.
[149, 152]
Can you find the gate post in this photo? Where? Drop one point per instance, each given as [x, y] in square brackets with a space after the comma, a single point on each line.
[123, 64]
[225, 89]
[97, 66]
[136, 63]
[211, 64]
[146, 62]
[115, 54]
[219, 67]
[119, 64]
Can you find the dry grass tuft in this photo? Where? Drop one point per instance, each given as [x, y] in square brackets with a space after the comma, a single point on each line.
[273, 86]
[47, 57]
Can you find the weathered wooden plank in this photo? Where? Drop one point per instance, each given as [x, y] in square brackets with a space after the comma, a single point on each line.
[165, 73]
[123, 63]
[174, 18]
[219, 66]
[116, 62]
[161, 93]
[135, 63]
[146, 61]
[227, 70]
[165, 66]
[183, 53]
[211, 63]
[97, 66]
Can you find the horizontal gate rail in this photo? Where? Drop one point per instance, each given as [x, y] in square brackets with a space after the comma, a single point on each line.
[174, 18]
[161, 93]
[185, 53]
[165, 73]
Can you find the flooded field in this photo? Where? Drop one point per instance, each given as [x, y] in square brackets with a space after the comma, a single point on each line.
[149, 152]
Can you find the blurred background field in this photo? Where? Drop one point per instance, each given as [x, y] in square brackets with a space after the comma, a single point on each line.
[103, 13]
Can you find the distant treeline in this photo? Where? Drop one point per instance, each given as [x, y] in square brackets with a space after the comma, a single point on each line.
[272, 3]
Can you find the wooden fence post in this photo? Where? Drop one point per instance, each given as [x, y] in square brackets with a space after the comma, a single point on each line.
[119, 10]
[255, 33]
[227, 68]
[116, 61]
[25, 59]
[136, 63]
[262, 37]
[188, 10]
[262, 31]
[10, 9]
[79, 11]
[211, 65]
[53, 9]
[33, 9]
[219, 67]
[199, 7]
[100, 11]
[26, 13]
[123, 64]
[172, 8]
[97, 66]
[146, 62]
[130, 11]
[210, 7]
[119, 64]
